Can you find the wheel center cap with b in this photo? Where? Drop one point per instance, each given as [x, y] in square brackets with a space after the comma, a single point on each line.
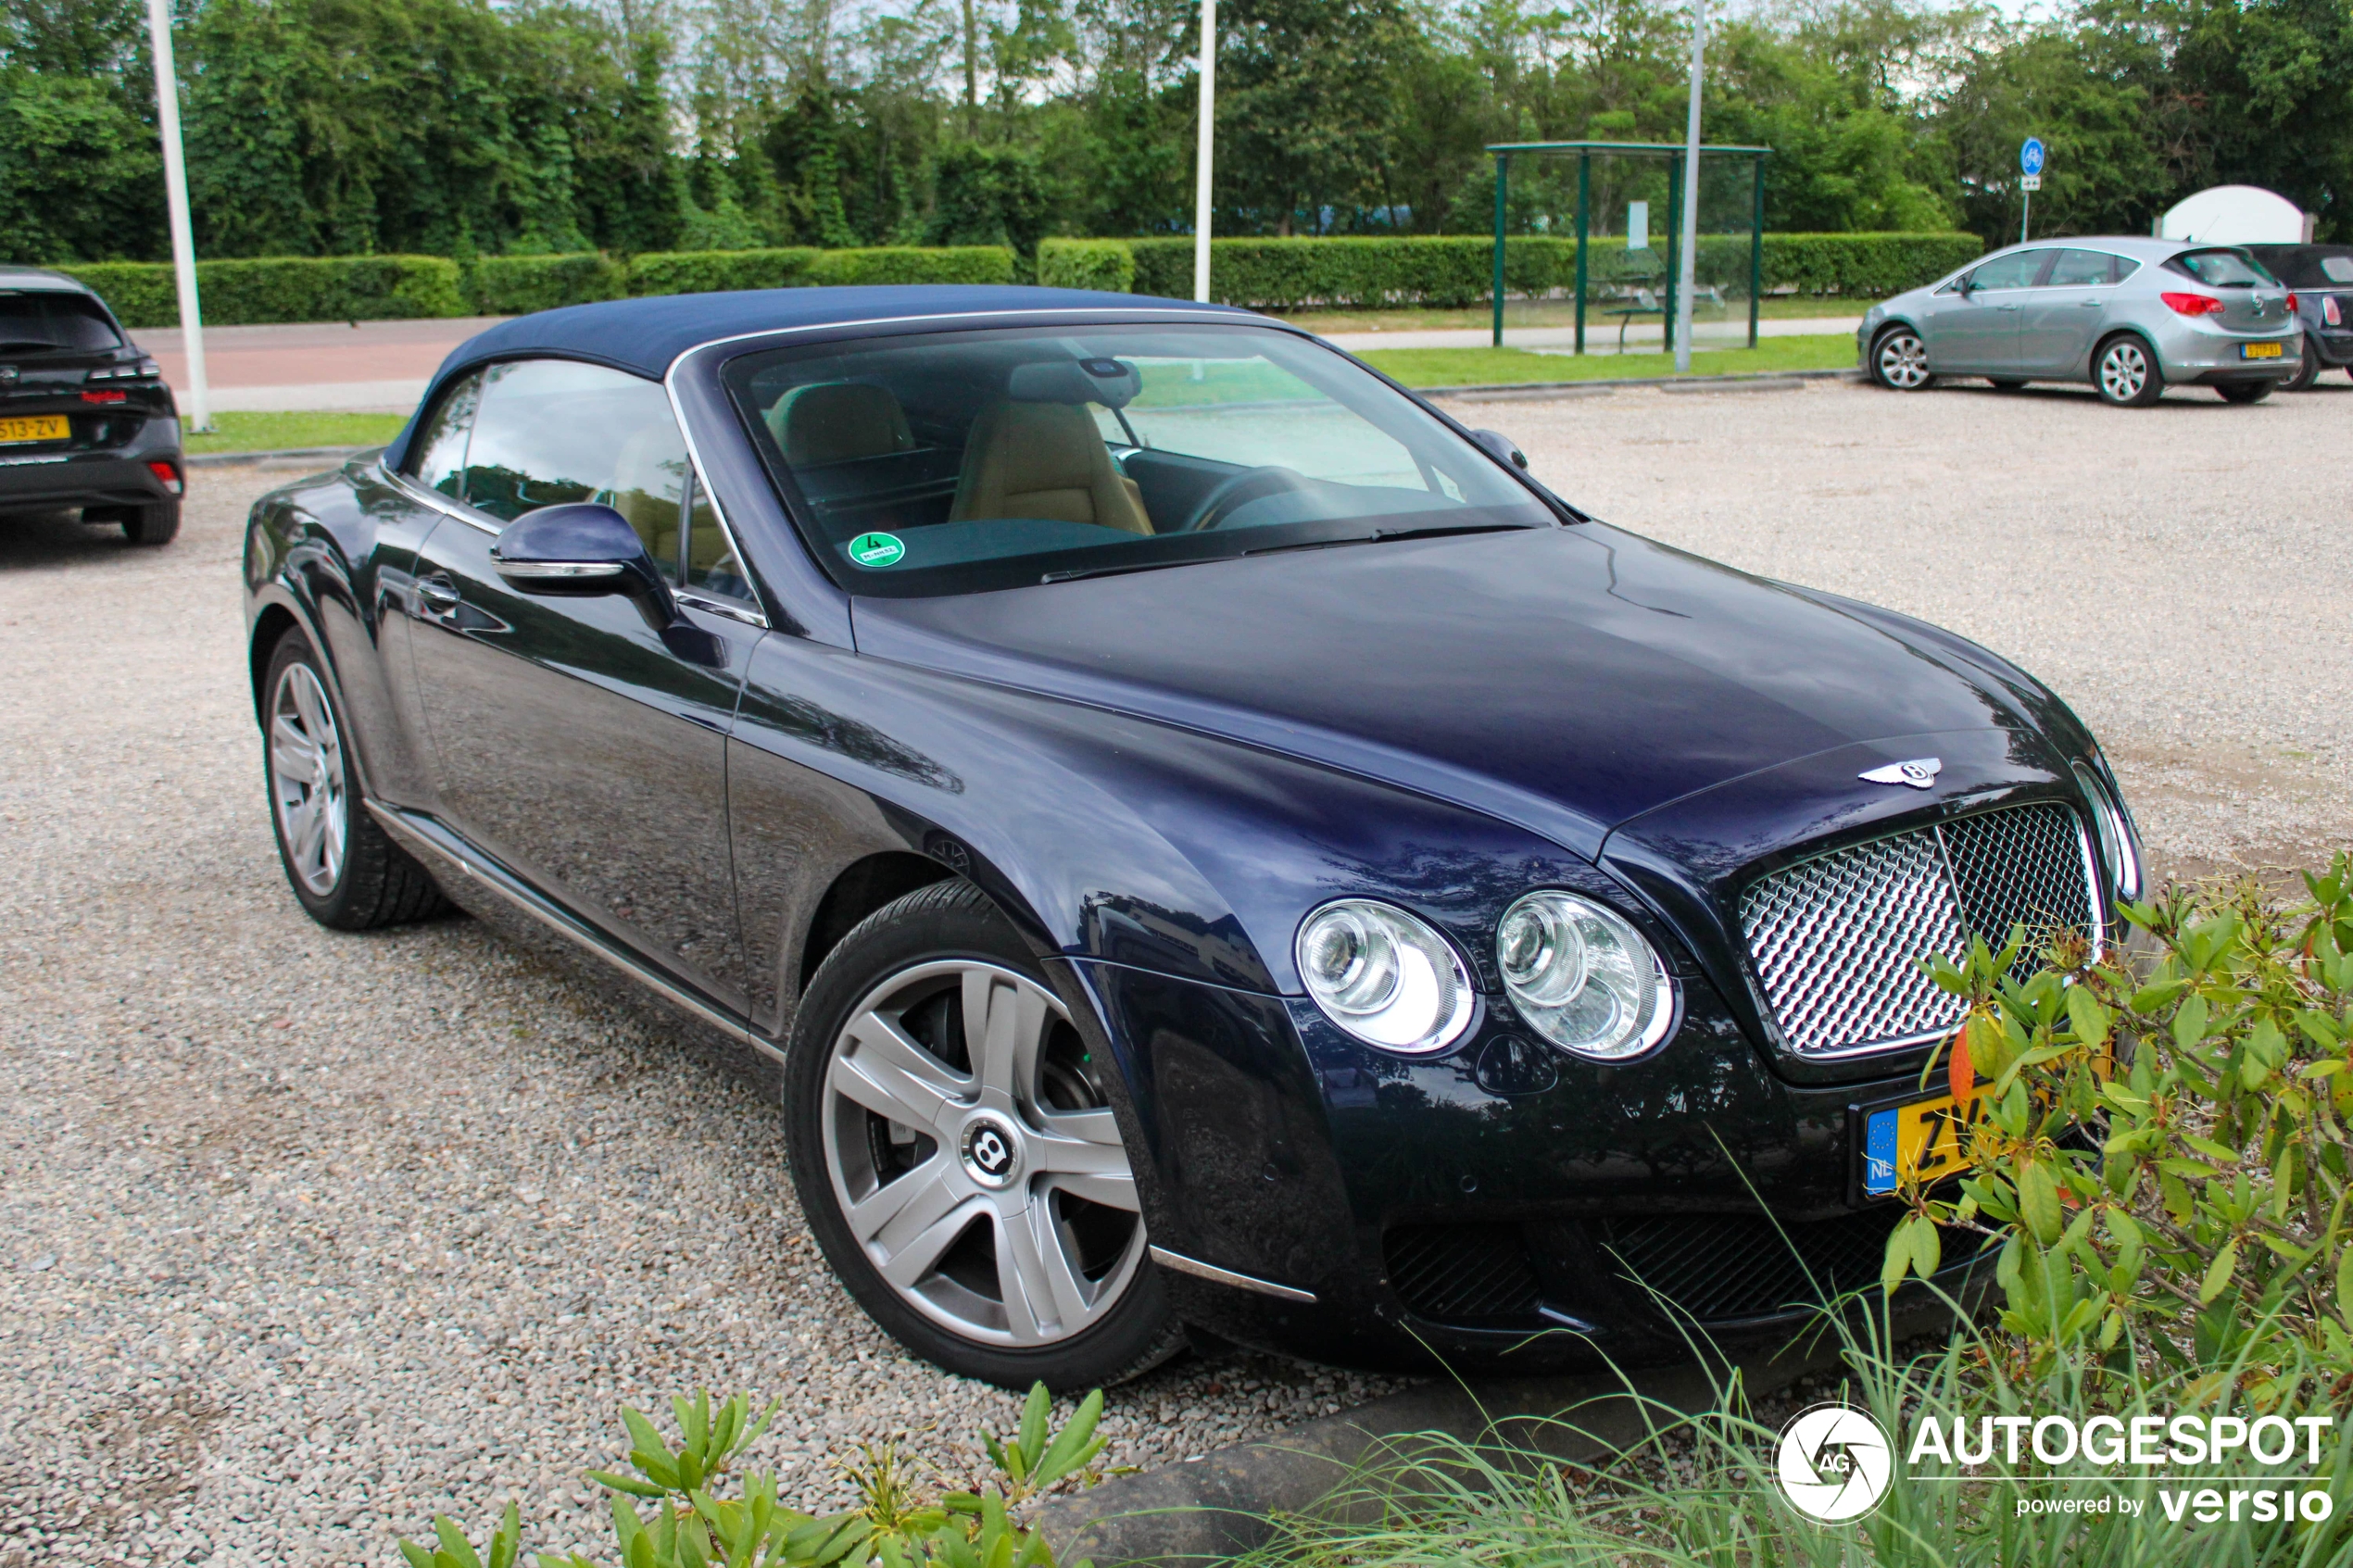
[992, 1151]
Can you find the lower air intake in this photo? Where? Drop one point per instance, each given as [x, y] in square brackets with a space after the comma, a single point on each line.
[1456, 1273]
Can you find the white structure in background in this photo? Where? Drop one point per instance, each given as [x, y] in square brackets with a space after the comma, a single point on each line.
[176, 193]
[2238, 215]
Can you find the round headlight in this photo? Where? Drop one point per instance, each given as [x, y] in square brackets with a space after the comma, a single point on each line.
[1583, 977]
[1385, 976]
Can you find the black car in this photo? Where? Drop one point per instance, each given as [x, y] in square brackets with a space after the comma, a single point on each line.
[1207, 840]
[2322, 279]
[85, 417]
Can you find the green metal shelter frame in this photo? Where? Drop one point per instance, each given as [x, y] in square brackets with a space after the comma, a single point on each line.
[1674, 154]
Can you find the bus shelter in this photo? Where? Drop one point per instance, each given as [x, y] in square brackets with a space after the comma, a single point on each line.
[1577, 240]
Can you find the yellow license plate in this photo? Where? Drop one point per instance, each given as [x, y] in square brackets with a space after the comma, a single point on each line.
[2258, 350]
[35, 427]
[1916, 1142]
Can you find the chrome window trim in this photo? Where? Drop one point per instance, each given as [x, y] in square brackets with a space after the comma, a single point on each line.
[425, 495]
[693, 600]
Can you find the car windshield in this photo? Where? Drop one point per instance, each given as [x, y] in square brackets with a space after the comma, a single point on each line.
[2222, 269]
[35, 322]
[956, 462]
[2308, 266]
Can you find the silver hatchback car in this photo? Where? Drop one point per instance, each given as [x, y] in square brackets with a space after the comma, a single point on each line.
[2129, 316]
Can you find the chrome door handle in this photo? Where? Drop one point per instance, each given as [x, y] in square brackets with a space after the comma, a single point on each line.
[438, 592]
[2089, 304]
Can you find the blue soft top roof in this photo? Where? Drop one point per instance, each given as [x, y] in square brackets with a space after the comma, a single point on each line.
[645, 336]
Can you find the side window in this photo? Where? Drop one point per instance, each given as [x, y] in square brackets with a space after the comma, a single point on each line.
[710, 566]
[2080, 268]
[551, 431]
[2014, 271]
[437, 458]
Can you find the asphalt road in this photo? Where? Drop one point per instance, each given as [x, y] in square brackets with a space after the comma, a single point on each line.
[314, 1234]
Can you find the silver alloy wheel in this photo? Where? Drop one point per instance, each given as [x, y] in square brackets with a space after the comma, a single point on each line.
[2124, 371]
[975, 1158]
[1902, 362]
[306, 779]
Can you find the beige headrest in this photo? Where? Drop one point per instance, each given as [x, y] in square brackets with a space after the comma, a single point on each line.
[835, 422]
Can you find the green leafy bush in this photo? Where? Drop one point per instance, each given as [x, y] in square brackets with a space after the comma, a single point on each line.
[515, 285]
[292, 288]
[915, 264]
[1456, 271]
[682, 1514]
[2164, 1154]
[1108, 265]
[710, 271]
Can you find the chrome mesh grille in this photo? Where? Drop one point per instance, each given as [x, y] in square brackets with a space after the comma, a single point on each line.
[1833, 938]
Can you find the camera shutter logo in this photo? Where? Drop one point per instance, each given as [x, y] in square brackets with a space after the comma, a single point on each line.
[1833, 1462]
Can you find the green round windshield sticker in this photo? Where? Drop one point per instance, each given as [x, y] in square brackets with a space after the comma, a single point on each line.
[877, 549]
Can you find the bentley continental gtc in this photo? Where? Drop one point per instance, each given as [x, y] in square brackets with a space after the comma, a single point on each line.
[1208, 843]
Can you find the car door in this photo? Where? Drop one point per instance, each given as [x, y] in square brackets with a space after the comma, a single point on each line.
[1977, 333]
[572, 743]
[2063, 313]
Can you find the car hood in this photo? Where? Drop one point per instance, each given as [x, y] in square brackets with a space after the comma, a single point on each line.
[1564, 679]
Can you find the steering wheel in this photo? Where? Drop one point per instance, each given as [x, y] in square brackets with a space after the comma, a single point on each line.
[1237, 491]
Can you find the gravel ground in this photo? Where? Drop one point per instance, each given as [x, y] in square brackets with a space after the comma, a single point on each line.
[314, 1235]
[2178, 573]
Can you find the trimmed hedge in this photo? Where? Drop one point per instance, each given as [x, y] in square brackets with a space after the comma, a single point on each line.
[708, 271]
[1455, 271]
[1109, 265]
[291, 288]
[515, 285]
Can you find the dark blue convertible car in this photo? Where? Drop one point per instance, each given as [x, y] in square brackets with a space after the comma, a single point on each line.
[1209, 842]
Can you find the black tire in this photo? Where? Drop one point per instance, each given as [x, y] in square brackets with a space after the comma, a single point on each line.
[2126, 374]
[374, 882]
[2245, 391]
[154, 524]
[1899, 361]
[2004, 383]
[2308, 370]
[944, 922]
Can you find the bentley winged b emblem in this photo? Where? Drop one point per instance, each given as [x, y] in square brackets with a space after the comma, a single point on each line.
[1919, 772]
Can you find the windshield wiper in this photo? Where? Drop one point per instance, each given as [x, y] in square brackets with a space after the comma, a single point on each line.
[1074, 573]
[1380, 535]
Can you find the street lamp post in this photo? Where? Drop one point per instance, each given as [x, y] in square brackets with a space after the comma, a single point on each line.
[175, 192]
[1687, 269]
[1208, 132]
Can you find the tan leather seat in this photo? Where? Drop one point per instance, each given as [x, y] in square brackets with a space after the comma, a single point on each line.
[836, 422]
[648, 476]
[1045, 460]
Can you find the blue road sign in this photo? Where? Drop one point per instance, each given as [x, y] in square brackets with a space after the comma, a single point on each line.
[2030, 155]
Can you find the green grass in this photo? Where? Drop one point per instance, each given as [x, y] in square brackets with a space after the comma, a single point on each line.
[1498, 367]
[280, 433]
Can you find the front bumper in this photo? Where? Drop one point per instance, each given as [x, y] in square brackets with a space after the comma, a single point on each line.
[1504, 1205]
[37, 481]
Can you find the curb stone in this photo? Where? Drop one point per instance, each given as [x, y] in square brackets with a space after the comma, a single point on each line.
[1216, 1507]
[291, 454]
[1534, 391]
